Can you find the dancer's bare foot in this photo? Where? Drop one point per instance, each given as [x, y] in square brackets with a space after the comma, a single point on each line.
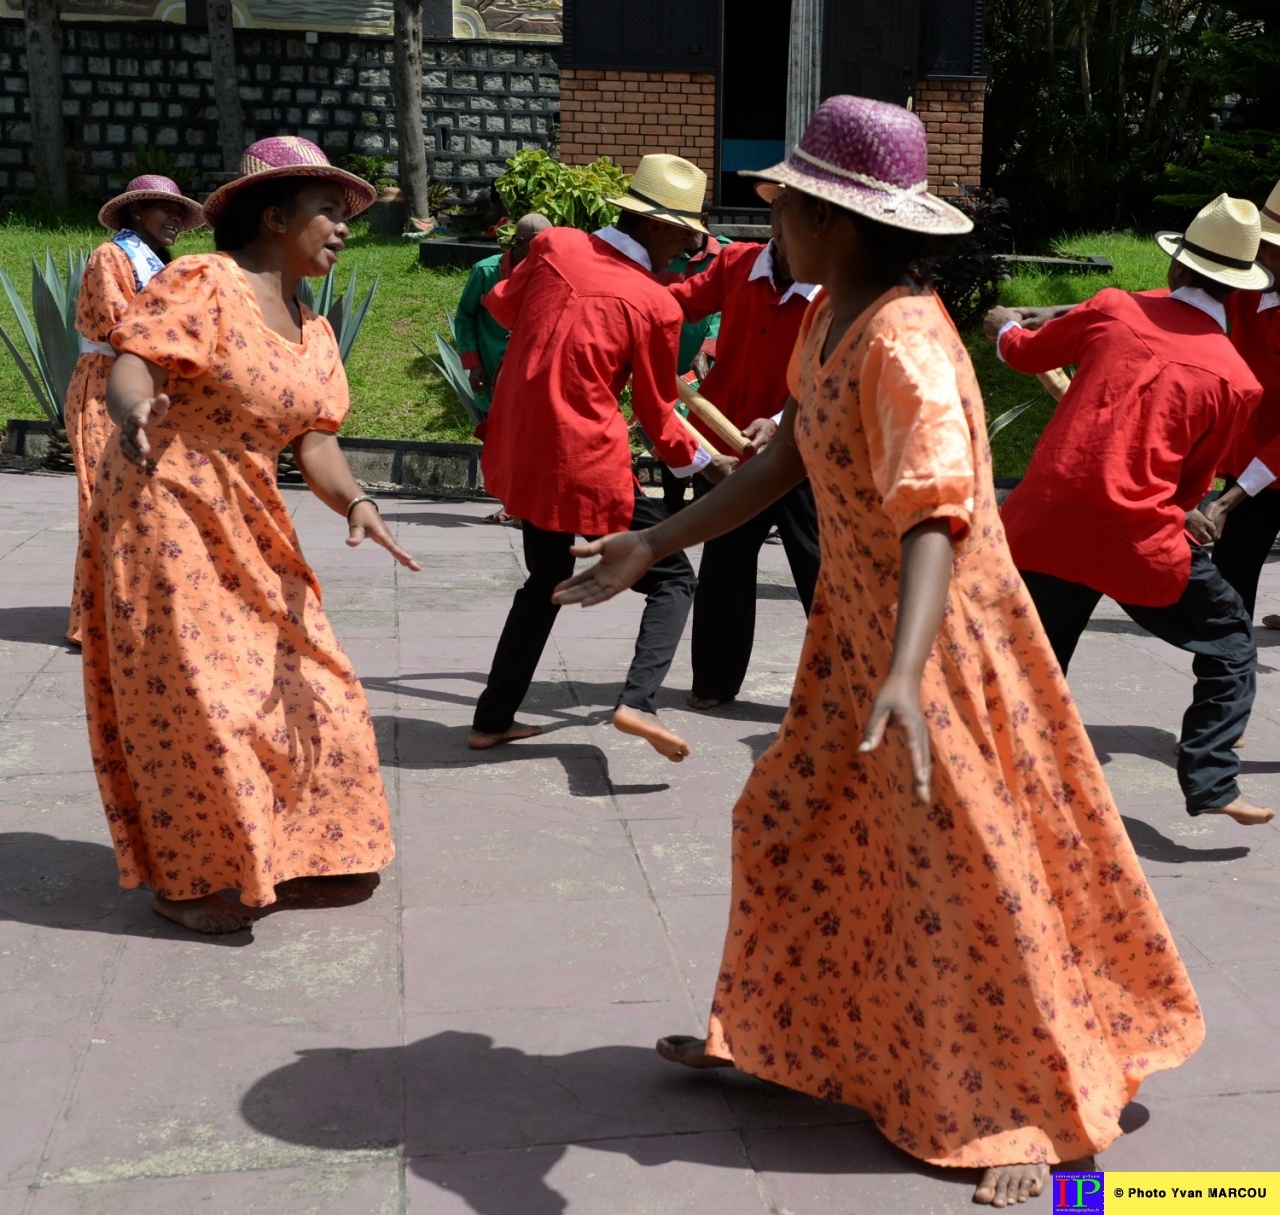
[650, 728]
[1006, 1184]
[705, 702]
[1245, 812]
[692, 1052]
[1238, 745]
[477, 740]
[211, 915]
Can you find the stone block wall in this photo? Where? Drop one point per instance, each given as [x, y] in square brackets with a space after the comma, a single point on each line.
[626, 114]
[152, 83]
[951, 111]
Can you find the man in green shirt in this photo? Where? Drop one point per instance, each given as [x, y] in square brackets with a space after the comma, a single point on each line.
[482, 342]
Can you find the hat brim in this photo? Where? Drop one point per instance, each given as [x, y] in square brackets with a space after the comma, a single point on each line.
[1255, 278]
[915, 212]
[627, 203]
[114, 209]
[768, 191]
[360, 195]
[1270, 230]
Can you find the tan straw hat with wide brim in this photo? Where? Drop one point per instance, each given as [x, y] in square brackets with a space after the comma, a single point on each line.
[150, 187]
[1269, 216]
[1222, 244]
[289, 156]
[668, 188]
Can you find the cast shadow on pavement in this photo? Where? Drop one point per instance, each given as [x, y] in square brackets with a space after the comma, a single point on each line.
[73, 884]
[34, 625]
[1155, 743]
[1149, 844]
[489, 1123]
[431, 745]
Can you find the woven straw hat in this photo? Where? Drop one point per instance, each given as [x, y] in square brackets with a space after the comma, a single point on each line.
[870, 157]
[1269, 216]
[150, 187]
[1221, 243]
[668, 188]
[289, 156]
[768, 191]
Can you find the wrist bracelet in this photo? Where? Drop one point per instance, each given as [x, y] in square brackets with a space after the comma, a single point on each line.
[356, 502]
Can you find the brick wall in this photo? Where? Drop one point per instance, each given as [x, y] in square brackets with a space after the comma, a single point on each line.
[152, 83]
[626, 114]
[951, 111]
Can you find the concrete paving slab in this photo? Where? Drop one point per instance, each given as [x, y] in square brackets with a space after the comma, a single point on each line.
[37, 1073]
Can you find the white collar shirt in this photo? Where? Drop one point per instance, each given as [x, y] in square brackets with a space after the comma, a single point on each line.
[1198, 297]
[763, 268]
[626, 245]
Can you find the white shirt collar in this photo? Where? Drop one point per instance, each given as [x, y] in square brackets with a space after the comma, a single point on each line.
[1198, 297]
[763, 268]
[1270, 300]
[626, 245]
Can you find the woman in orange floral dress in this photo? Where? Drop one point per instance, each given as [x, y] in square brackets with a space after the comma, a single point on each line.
[232, 742]
[146, 219]
[944, 924]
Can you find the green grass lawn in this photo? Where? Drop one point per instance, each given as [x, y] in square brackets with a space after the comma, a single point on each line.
[396, 393]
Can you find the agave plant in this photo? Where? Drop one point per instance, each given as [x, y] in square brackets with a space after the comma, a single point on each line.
[52, 339]
[450, 367]
[341, 311]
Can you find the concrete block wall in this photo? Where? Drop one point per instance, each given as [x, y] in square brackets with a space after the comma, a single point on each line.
[152, 83]
[951, 111]
[626, 114]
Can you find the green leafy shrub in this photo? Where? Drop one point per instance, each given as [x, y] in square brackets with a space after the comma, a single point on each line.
[149, 159]
[52, 338]
[968, 278]
[372, 168]
[341, 311]
[570, 196]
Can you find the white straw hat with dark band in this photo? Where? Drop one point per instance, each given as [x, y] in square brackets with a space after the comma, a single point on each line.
[1222, 244]
[668, 188]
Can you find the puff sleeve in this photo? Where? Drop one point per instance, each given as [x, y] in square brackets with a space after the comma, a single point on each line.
[174, 320]
[106, 291]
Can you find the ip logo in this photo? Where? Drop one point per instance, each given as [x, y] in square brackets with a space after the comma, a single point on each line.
[1079, 1193]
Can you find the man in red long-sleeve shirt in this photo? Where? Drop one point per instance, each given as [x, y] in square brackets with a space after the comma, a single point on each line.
[586, 314]
[761, 310]
[1159, 395]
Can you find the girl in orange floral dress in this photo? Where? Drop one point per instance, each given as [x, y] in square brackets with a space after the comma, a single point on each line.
[232, 741]
[146, 219]
[944, 924]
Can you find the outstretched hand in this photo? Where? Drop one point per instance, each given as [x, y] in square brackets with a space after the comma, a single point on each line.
[898, 704]
[624, 559]
[135, 424]
[366, 521]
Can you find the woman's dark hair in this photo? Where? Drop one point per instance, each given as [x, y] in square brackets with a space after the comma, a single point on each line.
[241, 218]
[899, 252]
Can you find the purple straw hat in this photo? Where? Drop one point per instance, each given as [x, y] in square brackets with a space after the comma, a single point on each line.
[150, 187]
[289, 156]
[870, 157]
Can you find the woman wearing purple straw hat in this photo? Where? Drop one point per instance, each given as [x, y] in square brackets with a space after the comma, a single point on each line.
[936, 913]
[231, 739]
[147, 218]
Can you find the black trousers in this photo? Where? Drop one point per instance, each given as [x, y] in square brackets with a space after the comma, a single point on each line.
[1247, 536]
[668, 591]
[724, 608]
[1210, 623]
[673, 490]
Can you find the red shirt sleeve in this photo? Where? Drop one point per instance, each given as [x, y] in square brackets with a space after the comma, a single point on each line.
[702, 294]
[653, 389]
[1056, 344]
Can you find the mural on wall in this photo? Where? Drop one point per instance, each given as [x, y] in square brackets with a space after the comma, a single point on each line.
[519, 19]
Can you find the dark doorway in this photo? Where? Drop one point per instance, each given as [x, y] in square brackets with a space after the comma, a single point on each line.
[753, 98]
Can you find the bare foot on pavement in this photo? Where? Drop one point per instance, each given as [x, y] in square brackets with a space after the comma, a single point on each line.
[1245, 812]
[477, 740]
[211, 915]
[692, 1052]
[1007, 1184]
[650, 728]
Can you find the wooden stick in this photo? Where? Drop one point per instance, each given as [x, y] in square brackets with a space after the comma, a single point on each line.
[1055, 382]
[709, 414]
[702, 440]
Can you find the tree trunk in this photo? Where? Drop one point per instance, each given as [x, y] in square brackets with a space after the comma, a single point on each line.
[408, 97]
[44, 82]
[226, 84]
[1086, 84]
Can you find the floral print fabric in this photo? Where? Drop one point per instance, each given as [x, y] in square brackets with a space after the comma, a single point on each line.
[989, 976]
[231, 739]
[105, 292]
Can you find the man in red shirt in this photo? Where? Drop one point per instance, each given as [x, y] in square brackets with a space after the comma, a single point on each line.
[1115, 482]
[761, 309]
[1248, 513]
[586, 314]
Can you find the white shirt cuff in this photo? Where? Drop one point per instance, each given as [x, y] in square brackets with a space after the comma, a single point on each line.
[777, 417]
[701, 459]
[1003, 330]
[1256, 477]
